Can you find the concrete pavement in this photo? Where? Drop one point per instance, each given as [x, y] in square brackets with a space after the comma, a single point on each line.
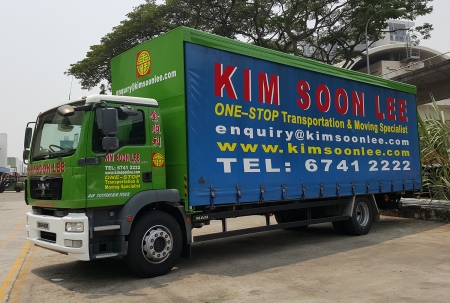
[13, 244]
[400, 260]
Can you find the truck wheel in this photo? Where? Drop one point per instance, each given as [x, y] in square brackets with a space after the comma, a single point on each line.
[18, 189]
[154, 244]
[2, 189]
[362, 217]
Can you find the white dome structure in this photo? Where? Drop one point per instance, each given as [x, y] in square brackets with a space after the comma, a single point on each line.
[392, 60]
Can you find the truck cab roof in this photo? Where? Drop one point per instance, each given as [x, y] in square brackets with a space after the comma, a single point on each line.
[92, 99]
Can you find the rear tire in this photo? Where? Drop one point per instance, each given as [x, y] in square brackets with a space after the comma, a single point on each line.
[362, 217]
[2, 189]
[154, 244]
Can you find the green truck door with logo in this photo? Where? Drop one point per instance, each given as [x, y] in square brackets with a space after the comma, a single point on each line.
[130, 169]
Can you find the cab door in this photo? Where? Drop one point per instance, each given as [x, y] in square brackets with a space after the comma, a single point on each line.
[113, 178]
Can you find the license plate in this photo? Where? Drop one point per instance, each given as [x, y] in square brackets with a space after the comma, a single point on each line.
[43, 225]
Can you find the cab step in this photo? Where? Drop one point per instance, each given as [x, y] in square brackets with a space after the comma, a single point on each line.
[106, 227]
[105, 255]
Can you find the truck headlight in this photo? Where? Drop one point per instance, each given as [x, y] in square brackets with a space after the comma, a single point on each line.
[75, 227]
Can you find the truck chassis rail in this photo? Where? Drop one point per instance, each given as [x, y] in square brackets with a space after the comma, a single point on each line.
[226, 234]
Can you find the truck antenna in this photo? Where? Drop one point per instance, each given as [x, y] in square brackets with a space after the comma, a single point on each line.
[70, 91]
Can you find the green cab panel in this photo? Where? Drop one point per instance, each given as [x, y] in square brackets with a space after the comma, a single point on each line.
[136, 166]
[155, 69]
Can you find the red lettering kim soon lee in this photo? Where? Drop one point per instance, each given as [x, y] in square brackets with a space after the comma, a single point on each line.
[324, 100]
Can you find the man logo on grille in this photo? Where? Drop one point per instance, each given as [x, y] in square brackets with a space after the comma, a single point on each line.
[143, 63]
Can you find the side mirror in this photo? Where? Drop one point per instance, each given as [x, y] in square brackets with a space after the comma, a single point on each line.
[65, 110]
[26, 154]
[110, 122]
[110, 143]
[27, 139]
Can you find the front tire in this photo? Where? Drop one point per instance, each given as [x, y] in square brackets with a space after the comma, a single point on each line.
[154, 244]
[362, 217]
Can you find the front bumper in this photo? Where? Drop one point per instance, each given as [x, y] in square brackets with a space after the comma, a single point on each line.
[50, 233]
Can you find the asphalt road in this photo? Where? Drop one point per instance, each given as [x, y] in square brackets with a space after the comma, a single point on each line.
[401, 260]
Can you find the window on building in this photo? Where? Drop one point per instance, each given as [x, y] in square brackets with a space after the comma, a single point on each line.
[397, 32]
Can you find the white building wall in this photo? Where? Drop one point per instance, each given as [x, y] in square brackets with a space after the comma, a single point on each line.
[16, 165]
[427, 111]
[3, 149]
[390, 69]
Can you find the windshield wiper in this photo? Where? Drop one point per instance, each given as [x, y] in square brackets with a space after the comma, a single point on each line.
[56, 154]
[40, 157]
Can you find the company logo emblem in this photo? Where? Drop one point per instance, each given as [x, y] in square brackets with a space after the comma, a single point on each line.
[143, 63]
[43, 186]
[158, 160]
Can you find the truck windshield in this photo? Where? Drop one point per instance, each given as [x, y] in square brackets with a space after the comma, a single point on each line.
[56, 136]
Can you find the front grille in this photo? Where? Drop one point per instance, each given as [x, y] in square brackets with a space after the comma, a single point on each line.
[49, 189]
[49, 237]
[56, 212]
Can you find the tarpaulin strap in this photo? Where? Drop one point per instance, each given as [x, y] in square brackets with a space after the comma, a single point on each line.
[212, 195]
[261, 199]
[238, 193]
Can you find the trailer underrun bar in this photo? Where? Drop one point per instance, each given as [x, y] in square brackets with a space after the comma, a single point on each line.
[227, 234]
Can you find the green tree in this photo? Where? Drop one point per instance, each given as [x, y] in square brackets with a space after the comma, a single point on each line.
[143, 23]
[325, 30]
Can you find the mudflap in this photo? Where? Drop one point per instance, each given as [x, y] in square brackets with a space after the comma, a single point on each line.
[376, 212]
[186, 251]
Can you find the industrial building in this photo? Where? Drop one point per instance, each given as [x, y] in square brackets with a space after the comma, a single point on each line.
[9, 164]
[3, 153]
[396, 57]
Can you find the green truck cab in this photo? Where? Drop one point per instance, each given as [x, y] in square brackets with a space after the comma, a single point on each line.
[84, 199]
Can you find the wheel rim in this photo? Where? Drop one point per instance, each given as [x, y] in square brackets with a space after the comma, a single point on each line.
[157, 244]
[362, 214]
